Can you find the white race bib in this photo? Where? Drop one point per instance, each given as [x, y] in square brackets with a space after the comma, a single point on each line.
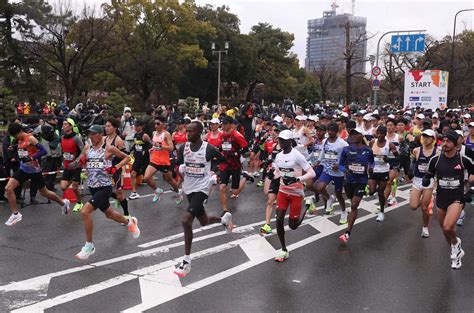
[357, 168]
[449, 184]
[226, 146]
[422, 168]
[138, 148]
[94, 165]
[68, 156]
[22, 153]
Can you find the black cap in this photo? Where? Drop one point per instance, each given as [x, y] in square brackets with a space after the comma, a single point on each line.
[227, 119]
[452, 136]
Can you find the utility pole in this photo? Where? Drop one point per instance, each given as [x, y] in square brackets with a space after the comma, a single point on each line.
[219, 53]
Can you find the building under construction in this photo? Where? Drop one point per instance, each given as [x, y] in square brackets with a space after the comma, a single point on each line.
[328, 38]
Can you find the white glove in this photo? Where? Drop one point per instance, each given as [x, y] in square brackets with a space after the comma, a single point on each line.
[182, 169]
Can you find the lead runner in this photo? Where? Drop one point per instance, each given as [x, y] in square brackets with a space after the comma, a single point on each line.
[194, 159]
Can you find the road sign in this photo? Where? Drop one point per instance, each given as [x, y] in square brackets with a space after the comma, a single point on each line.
[376, 83]
[376, 71]
[375, 88]
[408, 43]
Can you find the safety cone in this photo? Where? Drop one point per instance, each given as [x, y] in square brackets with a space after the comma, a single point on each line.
[126, 179]
[70, 195]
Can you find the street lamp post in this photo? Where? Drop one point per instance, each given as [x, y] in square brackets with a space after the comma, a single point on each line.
[454, 36]
[372, 62]
[219, 53]
[378, 47]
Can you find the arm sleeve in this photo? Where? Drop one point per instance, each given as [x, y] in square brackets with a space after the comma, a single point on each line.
[343, 160]
[431, 172]
[468, 165]
[41, 152]
[213, 154]
[242, 143]
[78, 143]
[306, 167]
[180, 158]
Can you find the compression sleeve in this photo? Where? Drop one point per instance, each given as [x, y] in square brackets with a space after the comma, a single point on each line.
[41, 152]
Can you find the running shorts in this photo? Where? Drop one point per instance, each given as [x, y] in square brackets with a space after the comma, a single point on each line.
[355, 190]
[196, 203]
[294, 202]
[226, 176]
[72, 175]
[100, 197]
[36, 179]
[338, 181]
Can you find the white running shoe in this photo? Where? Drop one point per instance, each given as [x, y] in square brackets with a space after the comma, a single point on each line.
[455, 249]
[66, 208]
[214, 179]
[13, 219]
[226, 221]
[183, 269]
[158, 194]
[343, 218]
[86, 251]
[179, 197]
[133, 196]
[460, 220]
[456, 263]
[256, 174]
[425, 233]
[380, 217]
[330, 204]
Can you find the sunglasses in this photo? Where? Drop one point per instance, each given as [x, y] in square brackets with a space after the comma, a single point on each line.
[157, 123]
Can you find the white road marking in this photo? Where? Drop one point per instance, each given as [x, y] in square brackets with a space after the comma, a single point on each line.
[159, 274]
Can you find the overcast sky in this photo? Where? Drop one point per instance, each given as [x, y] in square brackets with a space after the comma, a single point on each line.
[382, 15]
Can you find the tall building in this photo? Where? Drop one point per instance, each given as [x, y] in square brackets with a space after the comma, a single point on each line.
[326, 42]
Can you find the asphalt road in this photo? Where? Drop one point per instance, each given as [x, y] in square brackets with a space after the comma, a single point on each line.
[386, 267]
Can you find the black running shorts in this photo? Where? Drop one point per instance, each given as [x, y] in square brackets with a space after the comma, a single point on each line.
[100, 197]
[196, 203]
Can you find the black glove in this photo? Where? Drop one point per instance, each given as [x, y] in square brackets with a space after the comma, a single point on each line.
[271, 174]
[290, 180]
[385, 158]
[425, 182]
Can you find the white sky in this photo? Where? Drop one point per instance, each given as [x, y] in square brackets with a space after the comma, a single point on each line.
[435, 16]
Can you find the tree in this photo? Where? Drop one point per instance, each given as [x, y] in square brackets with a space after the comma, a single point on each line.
[153, 41]
[327, 77]
[71, 46]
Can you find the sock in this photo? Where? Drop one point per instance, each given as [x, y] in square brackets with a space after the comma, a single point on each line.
[348, 233]
[187, 258]
[16, 213]
[89, 244]
[124, 204]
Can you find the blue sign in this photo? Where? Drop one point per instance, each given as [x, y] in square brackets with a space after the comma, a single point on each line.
[376, 82]
[408, 43]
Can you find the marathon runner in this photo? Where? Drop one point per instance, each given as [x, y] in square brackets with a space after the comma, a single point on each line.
[141, 156]
[98, 160]
[289, 166]
[449, 168]
[29, 153]
[194, 159]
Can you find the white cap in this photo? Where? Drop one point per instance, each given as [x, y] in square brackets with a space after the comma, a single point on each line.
[368, 117]
[278, 119]
[363, 112]
[215, 120]
[391, 116]
[286, 134]
[471, 124]
[314, 118]
[460, 133]
[345, 114]
[467, 116]
[375, 112]
[127, 109]
[429, 132]
[358, 130]
[435, 115]
[420, 116]
[301, 117]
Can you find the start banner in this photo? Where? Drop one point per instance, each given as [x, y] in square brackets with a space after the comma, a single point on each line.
[426, 88]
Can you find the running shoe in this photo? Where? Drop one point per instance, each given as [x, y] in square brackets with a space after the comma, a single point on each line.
[86, 251]
[312, 208]
[456, 263]
[330, 204]
[249, 177]
[460, 220]
[456, 249]
[260, 183]
[282, 256]
[214, 179]
[133, 227]
[256, 174]
[232, 196]
[425, 233]
[183, 269]
[128, 219]
[158, 194]
[381, 217]
[391, 201]
[367, 191]
[133, 196]
[343, 218]
[77, 208]
[13, 219]
[344, 237]
[179, 197]
[265, 229]
[117, 204]
[226, 221]
[66, 208]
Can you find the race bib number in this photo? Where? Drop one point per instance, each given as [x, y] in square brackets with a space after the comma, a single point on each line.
[195, 169]
[449, 184]
[316, 154]
[138, 148]
[422, 168]
[22, 153]
[357, 168]
[226, 146]
[287, 172]
[68, 156]
[379, 159]
[330, 156]
[94, 164]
